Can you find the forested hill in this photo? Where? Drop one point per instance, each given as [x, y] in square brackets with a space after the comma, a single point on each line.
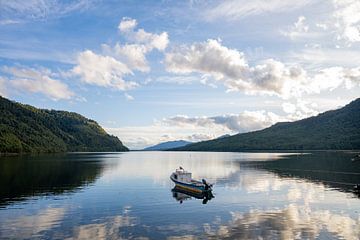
[336, 129]
[24, 128]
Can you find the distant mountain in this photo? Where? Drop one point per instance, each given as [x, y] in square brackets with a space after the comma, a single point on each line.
[167, 145]
[337, 129]
[24, 128]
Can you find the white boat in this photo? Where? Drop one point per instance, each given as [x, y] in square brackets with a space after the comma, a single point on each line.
[183, 180]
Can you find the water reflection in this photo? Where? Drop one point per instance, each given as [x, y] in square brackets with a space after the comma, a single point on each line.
[25, 176]
[128, 196]
[182, 195]
[108, 228]
[32, 225]
[335, 170]
[291, 222]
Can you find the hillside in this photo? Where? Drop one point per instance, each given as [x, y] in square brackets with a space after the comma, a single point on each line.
[167, 145]
[337, 129]
[24, 128]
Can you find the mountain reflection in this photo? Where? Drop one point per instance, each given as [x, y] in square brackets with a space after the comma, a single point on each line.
[335, 170]
[25, 176]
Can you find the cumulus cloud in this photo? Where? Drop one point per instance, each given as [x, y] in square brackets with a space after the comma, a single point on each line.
[133, 55]
[37, 81]
[299, 109]
[237, 9]
[348, 19]
[204, 128]
[243, 122]
[102, 71]
[140, 36]
[272, 77]
[194, 128]
[109, 68]
[127, 24]
[139, 137]
[158, 41]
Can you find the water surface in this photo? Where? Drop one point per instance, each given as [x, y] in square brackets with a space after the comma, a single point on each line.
[129, 196]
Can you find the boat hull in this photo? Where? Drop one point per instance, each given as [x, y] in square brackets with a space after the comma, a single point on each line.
[189, 187]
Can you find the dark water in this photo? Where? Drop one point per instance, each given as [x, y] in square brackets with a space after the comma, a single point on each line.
[129, 196]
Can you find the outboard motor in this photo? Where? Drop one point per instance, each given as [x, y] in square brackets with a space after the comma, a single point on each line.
[207, 186]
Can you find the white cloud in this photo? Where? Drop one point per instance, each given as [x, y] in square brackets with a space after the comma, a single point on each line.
[8, 22]
[194, 128]
[38, 81]
[109, 68]
[127, 24]
[236, 9]
[207, 57]
[175, 79]
[271, 77]
[243, 122]
[40, 10]
[102, 71]
[318, 57]
[348, 19]
[133, 55]
[128, 97]
[139, 137]
[158, 41]
[288, 107]
[298, 29]
[140, 36]
[300, 109]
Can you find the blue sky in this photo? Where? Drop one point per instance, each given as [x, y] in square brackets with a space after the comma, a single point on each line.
[152, 71]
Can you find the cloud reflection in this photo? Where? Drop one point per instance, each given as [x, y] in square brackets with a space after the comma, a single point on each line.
[292, 222]
[212, 166]
[109, 228]
[32, 225]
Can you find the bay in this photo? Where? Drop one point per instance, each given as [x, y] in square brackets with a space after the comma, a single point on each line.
[307, 195]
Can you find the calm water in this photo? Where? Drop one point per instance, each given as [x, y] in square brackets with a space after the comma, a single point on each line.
[129, 196]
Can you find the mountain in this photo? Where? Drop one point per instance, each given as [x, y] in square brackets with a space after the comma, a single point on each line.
[223, 136]
[24, 128]
[167, 145]
[337, 129]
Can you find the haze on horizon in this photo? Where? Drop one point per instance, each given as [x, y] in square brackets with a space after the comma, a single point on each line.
[157, 71]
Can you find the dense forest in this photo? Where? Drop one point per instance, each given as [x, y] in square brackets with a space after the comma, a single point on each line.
[337, 129]
[24, 128]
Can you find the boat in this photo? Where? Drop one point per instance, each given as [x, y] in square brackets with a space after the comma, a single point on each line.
[183, 180]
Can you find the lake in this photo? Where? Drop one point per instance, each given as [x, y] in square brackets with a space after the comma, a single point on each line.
[129, 196]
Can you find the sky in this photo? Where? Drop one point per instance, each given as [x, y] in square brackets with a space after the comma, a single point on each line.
[155, 71]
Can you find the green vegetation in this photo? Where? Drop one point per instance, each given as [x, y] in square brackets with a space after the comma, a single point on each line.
[24, 128]
[337, 129]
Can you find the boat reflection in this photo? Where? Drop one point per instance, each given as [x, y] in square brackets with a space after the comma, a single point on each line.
[182, 195]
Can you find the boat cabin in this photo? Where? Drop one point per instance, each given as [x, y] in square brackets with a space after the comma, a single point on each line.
[182, 176]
